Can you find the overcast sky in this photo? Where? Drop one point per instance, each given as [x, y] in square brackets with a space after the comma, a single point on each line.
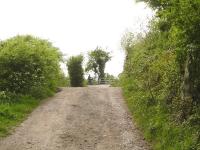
[75, 26]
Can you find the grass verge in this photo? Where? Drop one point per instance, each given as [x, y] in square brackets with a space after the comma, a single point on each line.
[160, 130]
[12, 114]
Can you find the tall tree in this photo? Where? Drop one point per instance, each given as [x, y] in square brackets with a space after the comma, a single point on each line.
[97, 62]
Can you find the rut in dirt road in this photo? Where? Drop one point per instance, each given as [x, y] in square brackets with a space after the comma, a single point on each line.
[92, 118]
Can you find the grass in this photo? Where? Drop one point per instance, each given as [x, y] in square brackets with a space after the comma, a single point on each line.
[159, 130]
[12, 114]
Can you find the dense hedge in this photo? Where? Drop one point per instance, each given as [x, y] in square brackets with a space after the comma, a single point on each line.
[151, 83]
[29, 66]
[75, 71]
[161, 76]
[29, 71]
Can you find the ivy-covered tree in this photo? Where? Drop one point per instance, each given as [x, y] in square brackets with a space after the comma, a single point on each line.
[97, 62]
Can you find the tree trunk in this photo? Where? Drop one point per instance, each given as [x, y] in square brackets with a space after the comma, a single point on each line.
[186, 95]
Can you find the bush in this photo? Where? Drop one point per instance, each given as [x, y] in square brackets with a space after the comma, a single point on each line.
[63, 80]
[75, 70]
[152, 83]
[28, 63]
[30, 70]
[161, 77]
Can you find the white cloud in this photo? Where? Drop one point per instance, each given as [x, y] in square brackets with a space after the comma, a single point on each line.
[75, 26]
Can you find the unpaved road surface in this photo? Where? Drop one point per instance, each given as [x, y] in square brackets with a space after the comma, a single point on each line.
[92, 118]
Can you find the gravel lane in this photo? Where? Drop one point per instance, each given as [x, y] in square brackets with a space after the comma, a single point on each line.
[90, 118]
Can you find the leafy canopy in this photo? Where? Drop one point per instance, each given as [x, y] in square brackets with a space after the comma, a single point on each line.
[97, 62]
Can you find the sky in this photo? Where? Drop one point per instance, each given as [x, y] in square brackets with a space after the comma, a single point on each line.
[76, 26]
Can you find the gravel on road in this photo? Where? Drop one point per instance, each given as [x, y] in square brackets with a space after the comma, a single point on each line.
[88, 118]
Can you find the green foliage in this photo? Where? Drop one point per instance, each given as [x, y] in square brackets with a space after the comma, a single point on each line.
[30, 70]
[11, 114]
[97, 62]
[112, 80]
[28, 65]
[180, 19]
[161, 75]
[161, 78]
[75, 70]
[8, 97]
[63, 81]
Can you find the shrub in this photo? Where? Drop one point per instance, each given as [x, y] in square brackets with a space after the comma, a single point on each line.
[63, 80]
[28, 63]
[151, 83]
[75, 70]
[161, 79]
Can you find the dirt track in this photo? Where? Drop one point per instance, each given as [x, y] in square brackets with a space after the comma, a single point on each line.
[93, 118]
